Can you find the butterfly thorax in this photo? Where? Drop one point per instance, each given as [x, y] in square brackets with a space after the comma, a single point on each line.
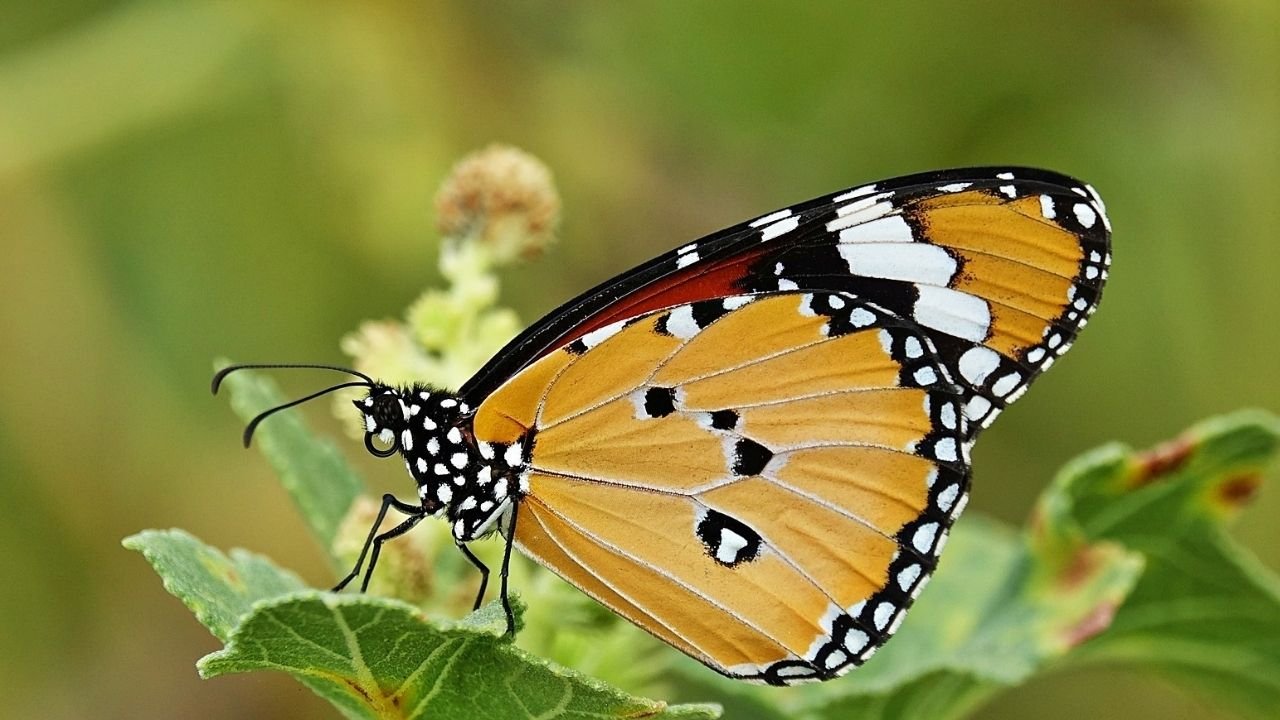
[469, 483]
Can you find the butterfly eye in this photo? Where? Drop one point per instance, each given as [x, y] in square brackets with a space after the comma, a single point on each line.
[386, 412]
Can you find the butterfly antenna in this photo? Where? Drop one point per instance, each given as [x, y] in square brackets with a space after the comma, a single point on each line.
[253, 424]
[219, 376]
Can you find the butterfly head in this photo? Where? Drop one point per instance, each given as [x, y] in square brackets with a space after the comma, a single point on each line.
[409, 419]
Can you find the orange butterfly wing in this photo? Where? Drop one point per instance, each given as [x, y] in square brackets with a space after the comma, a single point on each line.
[742, 500]
[764, 480]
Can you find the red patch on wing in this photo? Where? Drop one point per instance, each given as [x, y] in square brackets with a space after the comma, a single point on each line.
[696, 282]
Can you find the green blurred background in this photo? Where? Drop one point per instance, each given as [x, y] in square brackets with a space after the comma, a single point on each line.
[184, 180]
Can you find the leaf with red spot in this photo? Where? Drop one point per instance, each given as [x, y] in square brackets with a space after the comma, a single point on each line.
[1205, 614]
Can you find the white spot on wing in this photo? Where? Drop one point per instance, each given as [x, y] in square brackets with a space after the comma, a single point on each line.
[861, 317]
[911, 262]
[884, 611]
[908, 576]
[730, 543]
[925, 376]
[1102, 210]
[681, 324]
[513, 455]
[947, 497]
[955, 313]
[771, 217]
[684, 260]
[913, 347]
[779, 228]
[1046, 207]
[954, 187]
[599, 335]
[856, 192]
[868, 208]
[947, 413]
[1005, 384]
[891, 229]
[1085, 214]
[836, 658]
[977, 363]
[924, 536]
[855, 640]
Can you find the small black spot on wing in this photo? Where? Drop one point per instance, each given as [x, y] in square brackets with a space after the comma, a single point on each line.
[659, 401]
[750, 457]
[724, 419]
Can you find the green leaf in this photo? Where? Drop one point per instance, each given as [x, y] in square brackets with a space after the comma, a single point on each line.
[312, 470]
[1206, 614]
[380, 658]
[217, 588]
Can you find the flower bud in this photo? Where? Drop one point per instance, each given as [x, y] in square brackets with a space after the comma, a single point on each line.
[503, 199]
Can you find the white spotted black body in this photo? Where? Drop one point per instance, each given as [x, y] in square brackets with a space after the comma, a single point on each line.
[470, 484]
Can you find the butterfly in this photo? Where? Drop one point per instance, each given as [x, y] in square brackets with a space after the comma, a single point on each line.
[754, 446]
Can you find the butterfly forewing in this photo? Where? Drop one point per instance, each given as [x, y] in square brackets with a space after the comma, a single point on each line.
[754, 446]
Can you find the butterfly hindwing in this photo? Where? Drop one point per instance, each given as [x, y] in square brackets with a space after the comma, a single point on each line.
[769, 507]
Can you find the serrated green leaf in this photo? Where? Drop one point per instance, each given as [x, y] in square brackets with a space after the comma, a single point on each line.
[380, 658]
[312, 470]
[218, 589]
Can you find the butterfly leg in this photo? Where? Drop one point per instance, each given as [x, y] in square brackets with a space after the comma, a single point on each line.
[506, 562]
[396, 531]
[388, 501]
[484, 574]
